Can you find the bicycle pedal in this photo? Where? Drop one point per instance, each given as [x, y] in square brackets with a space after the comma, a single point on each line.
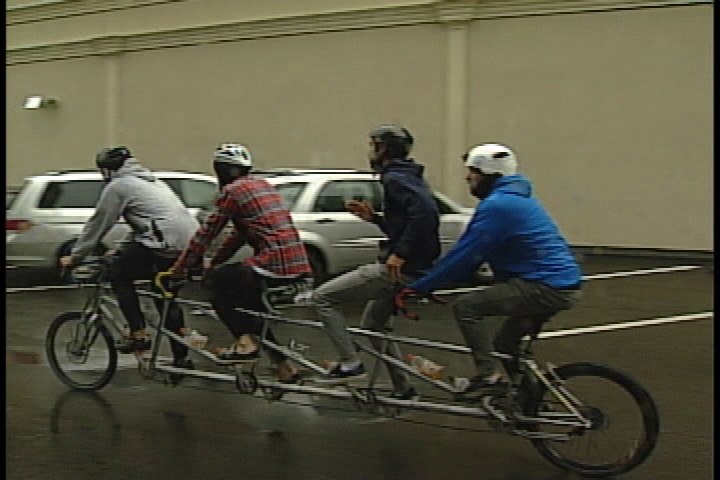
[294, 346]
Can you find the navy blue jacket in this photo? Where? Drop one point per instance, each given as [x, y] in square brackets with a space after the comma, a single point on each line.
[513, 233]
[410, 216]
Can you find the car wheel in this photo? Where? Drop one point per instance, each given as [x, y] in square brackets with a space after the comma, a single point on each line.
[318, 265]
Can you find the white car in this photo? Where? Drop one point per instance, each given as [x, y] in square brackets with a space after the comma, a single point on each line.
[49, 210]
[337, 240]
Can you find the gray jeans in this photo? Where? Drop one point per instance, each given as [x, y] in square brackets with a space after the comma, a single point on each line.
[527, 305]
[368, 283]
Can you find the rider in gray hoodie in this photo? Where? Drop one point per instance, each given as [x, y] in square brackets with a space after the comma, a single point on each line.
[160, 228]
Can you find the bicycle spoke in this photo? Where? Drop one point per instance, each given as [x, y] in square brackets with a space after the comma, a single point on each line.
[81, 354]
[624, 423]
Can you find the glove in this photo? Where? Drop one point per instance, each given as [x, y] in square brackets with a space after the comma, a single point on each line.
[400, 302]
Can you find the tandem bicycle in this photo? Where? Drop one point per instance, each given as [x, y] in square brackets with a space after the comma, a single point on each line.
[586, 418]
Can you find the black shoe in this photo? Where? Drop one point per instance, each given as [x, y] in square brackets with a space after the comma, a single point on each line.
[185, 363]
[233, 355]
[338, 375]
[480, 382]
[132, 344]
[409, 394]
[294, 379]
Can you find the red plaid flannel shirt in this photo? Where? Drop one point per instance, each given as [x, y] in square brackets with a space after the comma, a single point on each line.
[260, 218]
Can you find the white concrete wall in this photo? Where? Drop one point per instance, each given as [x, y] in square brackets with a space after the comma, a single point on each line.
[608, 102]
[611, 115]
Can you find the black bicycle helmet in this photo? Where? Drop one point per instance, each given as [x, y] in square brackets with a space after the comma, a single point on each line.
[397, 140]
[112, 158]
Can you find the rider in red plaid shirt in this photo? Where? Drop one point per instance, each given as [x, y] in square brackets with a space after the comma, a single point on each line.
[260, 218]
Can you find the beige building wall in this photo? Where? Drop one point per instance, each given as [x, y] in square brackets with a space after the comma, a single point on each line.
[602, 99]
[611, 116]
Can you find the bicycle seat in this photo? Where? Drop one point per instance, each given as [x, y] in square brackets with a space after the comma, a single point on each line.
[537, 325]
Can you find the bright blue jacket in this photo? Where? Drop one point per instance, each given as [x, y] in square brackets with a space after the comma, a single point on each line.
[512, 232]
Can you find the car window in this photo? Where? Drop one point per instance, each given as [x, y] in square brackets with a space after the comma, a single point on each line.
[443, 207]
[291, 191]
[334, 194]
[71, 194]
[197, 193]
[192, 192]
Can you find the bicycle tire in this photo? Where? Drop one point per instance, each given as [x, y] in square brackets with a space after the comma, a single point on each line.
[52, 348]
[627, 460]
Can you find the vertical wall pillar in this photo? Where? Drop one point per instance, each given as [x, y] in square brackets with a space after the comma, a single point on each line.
[110, 50]
[112, 93]
[456, 17]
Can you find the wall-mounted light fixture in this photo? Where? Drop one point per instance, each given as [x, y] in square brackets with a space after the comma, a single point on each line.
[34, 102]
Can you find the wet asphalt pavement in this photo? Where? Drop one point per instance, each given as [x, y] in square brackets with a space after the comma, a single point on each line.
[142, 429]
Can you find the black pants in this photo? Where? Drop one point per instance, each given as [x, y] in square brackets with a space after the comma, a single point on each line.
[137, 262]
[526, 304]
[238, 286]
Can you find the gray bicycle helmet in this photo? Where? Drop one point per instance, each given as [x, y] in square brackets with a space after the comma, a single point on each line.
[397, 140]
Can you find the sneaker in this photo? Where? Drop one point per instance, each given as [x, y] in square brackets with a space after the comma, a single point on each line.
[132, 344]
[409, 394]
[339, 375]
[232, 354]
[294, 379]
[185, 363]
[479, 382]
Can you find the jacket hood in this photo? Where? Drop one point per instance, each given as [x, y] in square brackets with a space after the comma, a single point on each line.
[132, 167]
[406, 166]
[515, 184]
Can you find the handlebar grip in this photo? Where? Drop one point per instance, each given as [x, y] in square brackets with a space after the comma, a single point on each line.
[400, 307]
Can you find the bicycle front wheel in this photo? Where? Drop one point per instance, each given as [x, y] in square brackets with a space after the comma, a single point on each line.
[80, 352]
[625, 421]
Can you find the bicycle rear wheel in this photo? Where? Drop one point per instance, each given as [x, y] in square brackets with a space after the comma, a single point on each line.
[81, 353]
[625, 421]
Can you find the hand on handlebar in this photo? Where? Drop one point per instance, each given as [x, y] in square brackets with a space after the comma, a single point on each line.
[400, 303]
[408, 292]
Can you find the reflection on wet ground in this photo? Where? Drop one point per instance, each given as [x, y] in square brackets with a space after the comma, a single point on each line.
[140, 429]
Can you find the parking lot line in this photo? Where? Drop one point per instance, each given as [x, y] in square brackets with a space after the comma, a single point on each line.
[597, 276]
[623, 325]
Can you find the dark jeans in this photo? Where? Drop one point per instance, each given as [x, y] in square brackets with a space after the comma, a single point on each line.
[234, 286]
[527, 305]
[137, 262]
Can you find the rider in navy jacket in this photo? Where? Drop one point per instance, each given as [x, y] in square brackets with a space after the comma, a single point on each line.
[410, 218]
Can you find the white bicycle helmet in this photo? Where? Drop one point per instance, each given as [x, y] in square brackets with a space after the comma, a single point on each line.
[492, 158]
[233, 154]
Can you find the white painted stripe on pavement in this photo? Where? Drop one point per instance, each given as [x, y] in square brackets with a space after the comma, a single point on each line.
[623, 325]
[648, 271]
[597, 276]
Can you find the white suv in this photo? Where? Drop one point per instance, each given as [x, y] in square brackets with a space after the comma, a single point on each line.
[337, 240]
[51, 209]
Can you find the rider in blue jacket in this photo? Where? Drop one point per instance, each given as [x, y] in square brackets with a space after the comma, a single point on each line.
[535, 272]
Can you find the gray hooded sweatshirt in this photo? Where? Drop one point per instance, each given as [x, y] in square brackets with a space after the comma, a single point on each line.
[156, 216]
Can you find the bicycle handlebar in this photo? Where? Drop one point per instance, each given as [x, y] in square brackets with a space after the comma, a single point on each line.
[168, 285]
